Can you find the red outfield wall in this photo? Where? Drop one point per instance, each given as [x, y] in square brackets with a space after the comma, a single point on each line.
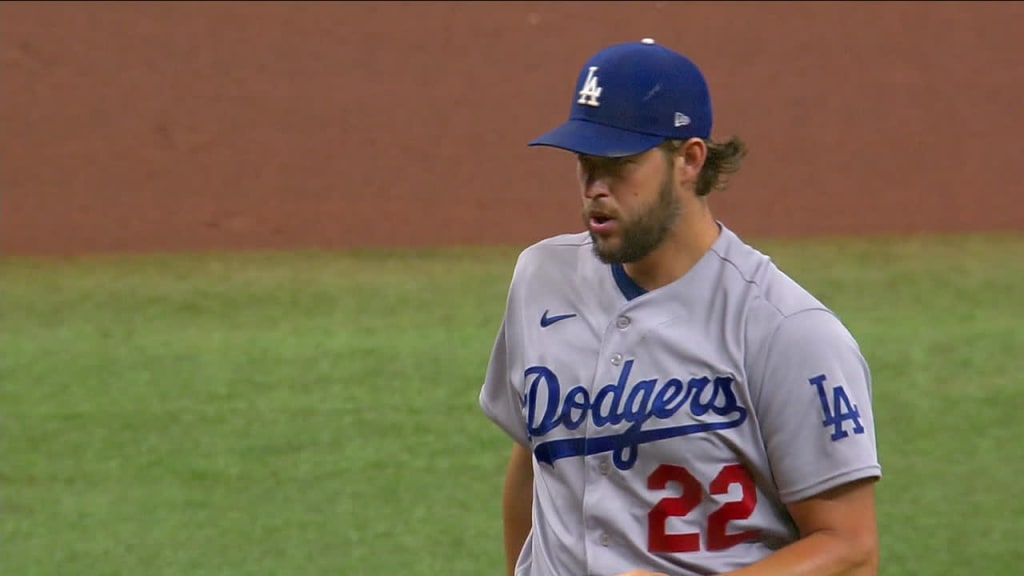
[191, 126]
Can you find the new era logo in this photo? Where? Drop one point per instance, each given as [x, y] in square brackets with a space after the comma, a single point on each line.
[682, 119]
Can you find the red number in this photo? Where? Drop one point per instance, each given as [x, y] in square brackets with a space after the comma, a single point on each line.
[718, 537]
[657, 539]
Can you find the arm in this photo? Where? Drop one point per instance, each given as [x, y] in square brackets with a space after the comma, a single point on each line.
[812, 396]
[838, 537]
[501, 398]
[517, 504]
[838, 533]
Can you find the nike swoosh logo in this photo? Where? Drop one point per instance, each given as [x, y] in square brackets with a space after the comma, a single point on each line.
[546, 320]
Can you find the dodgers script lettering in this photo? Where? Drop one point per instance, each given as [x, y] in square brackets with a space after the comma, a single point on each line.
[711, 401]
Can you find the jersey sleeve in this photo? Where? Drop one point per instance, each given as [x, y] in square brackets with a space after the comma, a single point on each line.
[814, 406]
[499, 398]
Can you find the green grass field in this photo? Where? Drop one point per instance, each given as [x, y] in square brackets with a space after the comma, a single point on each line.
[313, 413]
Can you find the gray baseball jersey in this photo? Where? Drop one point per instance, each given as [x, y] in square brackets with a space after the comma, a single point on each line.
[669, 428]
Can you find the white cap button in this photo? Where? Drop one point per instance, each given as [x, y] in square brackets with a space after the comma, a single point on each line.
[648, 40]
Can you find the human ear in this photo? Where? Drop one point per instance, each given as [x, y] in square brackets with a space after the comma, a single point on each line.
[688, 160]
[693, 153]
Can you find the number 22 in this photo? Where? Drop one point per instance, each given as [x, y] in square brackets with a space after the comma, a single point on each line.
[718, 538]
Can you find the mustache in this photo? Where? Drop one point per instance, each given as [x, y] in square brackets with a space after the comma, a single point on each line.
[598, 210]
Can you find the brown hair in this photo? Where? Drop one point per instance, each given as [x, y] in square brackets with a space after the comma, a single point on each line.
[723, 158]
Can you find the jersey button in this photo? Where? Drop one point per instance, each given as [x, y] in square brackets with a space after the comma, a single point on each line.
[603, 467]
[604, 540]
[622, 322]
[616, 359]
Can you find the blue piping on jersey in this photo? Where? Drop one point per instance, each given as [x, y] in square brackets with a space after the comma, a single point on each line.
[627, 286]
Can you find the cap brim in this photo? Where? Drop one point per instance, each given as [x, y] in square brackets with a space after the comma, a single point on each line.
[593, 139]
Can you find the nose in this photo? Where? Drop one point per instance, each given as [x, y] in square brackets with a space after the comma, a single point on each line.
[595, 187]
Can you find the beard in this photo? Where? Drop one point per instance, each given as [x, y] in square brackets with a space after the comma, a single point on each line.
[643, 233]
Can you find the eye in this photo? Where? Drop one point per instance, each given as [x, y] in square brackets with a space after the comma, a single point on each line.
[588, 164]
[614, 167]
[619, 165]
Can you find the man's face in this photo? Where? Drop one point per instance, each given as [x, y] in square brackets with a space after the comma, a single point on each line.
[629, 203]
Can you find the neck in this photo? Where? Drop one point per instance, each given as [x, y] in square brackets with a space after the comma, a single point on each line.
[691, 237]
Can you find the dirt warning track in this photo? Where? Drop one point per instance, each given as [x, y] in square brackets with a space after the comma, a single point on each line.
[135, 127]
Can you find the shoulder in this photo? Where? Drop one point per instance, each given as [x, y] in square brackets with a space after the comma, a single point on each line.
[777, 306]
[554, 255]
[762, 282]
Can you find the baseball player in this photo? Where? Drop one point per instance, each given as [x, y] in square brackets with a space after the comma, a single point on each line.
[677, 405]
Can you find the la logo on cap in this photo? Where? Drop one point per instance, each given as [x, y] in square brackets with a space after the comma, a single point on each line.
[591, 90]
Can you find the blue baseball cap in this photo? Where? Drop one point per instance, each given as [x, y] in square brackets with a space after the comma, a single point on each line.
[629, 98]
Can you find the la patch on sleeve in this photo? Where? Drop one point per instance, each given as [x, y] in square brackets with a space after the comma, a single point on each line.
[839, 412]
